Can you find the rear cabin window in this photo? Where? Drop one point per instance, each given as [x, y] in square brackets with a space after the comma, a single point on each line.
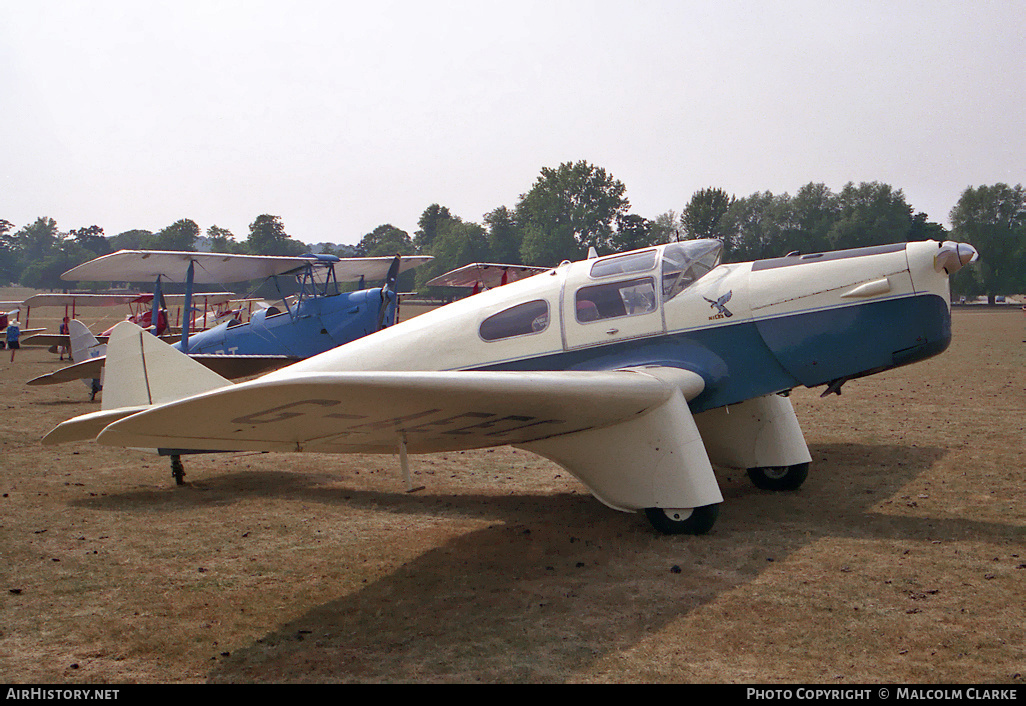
[615, 299]
[519, 320]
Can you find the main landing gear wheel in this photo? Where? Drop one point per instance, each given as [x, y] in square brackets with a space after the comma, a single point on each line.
[779, 477]
[697, 520]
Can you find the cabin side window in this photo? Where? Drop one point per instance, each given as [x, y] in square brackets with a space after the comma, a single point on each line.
[519, 320]
[609, 301]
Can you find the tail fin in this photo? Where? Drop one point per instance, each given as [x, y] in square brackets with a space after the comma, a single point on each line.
[83, 343]
[143, 370]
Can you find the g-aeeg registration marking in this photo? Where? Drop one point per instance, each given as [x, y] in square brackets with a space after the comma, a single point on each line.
[488, 423]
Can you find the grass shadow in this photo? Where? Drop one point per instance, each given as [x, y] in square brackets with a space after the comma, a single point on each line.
[549, 578]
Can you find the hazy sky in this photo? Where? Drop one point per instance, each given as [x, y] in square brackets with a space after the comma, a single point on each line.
[341, 116]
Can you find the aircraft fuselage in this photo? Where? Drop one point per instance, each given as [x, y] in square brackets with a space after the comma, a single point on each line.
[748, 329]
[312, 326]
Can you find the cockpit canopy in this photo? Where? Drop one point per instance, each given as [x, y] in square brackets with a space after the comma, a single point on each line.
[685, 262]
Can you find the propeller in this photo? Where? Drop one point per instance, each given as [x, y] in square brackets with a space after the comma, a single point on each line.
[388, 288]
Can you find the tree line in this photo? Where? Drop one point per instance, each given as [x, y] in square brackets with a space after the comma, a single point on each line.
[577, 206]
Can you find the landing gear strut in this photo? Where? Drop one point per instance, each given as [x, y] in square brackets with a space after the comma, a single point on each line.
[177, 470]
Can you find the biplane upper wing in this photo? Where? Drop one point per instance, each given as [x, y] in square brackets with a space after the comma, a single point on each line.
[215, 268]
[374, 269]
[83, 300]
[486, 274]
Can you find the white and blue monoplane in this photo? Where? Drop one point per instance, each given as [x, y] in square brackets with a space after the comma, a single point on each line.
[613, 367]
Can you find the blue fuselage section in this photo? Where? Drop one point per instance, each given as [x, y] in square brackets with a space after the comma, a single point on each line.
[312, 326]
[754, 358]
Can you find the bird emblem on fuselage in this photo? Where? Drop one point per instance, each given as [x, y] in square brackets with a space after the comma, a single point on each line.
[719, 305]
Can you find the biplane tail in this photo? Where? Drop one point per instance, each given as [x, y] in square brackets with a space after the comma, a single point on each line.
[83, 343]
[140, 371]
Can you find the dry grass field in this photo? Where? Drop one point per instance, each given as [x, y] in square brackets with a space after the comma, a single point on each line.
[902, 559]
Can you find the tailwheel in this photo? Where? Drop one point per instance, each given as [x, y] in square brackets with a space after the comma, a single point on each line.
[779, 477]
[177, 470]
[697, 520]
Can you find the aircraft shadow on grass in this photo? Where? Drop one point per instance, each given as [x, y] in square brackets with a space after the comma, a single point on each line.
[548, 576]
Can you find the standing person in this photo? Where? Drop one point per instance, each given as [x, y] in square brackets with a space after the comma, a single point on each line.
[13, 332]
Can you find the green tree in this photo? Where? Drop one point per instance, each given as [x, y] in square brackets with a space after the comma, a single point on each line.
[384, 241]
[993, 220]
[569, 209]
[632, 233]
[922, 229]
[810, 215]
[45, 272]
[221, 240]
[8, 253]
[38, 240]
[701, 217]
[870, 214]
[504, 237]
[430, 221]
[267, 236]
[456, 243]
[755, 227]
[666, 228]
[133, 240]
[92, 240]
[179, 236]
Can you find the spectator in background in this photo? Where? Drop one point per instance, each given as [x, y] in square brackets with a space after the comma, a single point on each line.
[13, 333]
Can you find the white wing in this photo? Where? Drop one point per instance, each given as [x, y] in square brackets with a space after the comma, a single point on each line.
[370, 412]
[627, 434]
[216, 268]
[487, 274]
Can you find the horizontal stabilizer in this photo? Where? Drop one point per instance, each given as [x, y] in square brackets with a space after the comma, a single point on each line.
[87, 426]
[86, 370]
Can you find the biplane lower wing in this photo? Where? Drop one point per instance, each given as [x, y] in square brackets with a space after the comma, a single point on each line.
[231, 367]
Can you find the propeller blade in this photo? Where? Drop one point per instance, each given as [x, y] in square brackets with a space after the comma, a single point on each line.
[389, 286]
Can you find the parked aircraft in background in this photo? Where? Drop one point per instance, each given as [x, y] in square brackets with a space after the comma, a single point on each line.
[625, 370]
[318, 318]
[209, 308]
[479, 276]
[10, 311]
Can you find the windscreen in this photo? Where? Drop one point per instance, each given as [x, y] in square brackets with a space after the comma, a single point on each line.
[684, 263]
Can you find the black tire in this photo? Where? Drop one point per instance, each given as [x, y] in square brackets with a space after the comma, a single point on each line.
[779, 477]
[699, 521]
